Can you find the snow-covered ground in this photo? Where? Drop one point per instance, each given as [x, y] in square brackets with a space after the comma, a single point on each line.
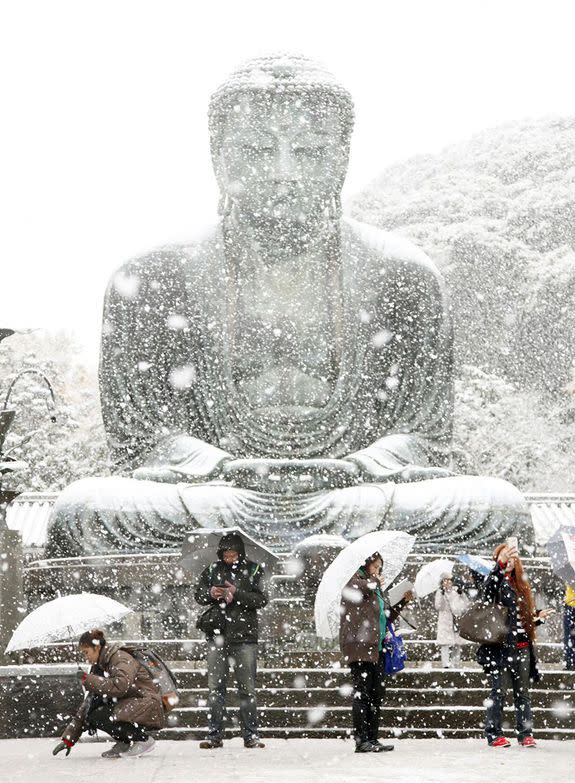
[297, 760]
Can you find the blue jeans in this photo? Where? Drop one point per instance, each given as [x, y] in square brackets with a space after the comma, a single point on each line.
[569, 636]
[244, 659]
[514, 672]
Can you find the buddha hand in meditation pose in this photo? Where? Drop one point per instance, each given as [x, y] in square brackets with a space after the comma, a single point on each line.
[290, 372]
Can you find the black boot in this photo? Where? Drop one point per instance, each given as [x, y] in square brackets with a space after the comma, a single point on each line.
[364, 747]
[379, 748]
[210, 743]
[253, 742]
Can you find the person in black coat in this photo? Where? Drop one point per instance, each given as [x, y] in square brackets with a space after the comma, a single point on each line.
[513, 662]
[231, 589]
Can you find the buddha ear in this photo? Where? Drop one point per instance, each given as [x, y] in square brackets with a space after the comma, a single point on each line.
[225, 202]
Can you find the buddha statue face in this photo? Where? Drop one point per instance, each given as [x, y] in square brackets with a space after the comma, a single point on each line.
[280, 144]
[282, 161]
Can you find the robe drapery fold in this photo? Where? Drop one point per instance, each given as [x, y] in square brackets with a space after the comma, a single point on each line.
[167, 364]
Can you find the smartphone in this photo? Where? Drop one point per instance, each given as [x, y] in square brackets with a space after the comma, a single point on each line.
[512, 542]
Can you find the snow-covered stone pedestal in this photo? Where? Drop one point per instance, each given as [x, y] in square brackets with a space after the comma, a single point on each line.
[161, 593]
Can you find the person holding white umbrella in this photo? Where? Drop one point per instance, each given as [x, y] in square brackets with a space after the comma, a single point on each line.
[450, 603]
[365, 617]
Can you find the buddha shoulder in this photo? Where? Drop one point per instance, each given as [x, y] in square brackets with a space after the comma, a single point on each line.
[166, 265]
[378, 246]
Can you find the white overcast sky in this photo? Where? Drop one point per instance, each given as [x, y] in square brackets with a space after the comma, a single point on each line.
[103, 137]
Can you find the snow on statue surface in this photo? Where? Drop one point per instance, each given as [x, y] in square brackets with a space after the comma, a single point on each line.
[290, 372]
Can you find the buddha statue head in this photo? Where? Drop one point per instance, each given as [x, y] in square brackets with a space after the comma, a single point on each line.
[280, 129]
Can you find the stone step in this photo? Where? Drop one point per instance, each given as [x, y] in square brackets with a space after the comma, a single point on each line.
[269, 654]
[415, 677]
[436, 717]
[38, 700]
[397, 697]
[344, 733]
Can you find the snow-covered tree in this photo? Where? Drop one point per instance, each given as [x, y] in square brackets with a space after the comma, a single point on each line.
[71, 446]
[497, 215]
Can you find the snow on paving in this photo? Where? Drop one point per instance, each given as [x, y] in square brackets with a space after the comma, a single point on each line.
[301, 760]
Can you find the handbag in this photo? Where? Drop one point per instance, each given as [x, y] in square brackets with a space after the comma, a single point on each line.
[484, 624]
[212, 621]
[393, 651]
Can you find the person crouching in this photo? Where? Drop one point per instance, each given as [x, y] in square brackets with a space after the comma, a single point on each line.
[123, 700]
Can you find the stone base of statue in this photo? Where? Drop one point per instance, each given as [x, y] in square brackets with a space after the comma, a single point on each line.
[11, 589]
[161, 594]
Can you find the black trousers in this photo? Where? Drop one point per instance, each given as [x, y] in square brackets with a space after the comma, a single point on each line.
[368, 693]
[101, 718]
[569, 636]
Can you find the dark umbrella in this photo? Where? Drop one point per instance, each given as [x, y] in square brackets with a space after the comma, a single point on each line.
[561, 548]
[201, 546]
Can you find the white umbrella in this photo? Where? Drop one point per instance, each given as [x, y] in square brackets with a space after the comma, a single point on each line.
[393, 546]
[429, 576]
[65, 618]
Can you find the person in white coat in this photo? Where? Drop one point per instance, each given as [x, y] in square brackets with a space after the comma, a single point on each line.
[450, 603]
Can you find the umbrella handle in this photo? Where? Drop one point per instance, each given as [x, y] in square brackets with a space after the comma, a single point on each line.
[405, 620]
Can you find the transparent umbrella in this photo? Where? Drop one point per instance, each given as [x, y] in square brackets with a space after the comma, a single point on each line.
[479, 564]
[65, 618]
[201, 546]
[429, 576]
[393, 545]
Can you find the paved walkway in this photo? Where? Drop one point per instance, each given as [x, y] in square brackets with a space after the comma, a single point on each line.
[292, 761]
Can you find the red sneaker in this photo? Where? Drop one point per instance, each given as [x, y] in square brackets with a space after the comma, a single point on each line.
[500, 742]
[528, 742]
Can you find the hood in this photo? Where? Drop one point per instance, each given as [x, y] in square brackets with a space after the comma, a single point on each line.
[109, 649]
[232, 541]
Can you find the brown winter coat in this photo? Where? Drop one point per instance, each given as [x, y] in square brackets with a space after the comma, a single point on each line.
[359, 626]
[129, 685]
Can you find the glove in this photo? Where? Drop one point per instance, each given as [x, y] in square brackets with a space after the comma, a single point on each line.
[63, 745]
[81, 675]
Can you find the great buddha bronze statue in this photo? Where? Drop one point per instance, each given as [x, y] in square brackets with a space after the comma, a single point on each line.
[289, 372]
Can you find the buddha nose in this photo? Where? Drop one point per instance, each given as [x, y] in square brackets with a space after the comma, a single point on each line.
[285, 163]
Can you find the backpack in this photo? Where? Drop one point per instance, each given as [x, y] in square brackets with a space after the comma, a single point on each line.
[160, 674]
